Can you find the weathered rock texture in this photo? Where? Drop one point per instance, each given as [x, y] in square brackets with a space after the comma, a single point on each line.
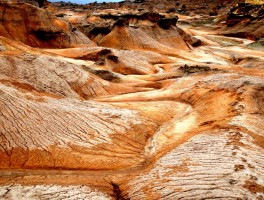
[38, 27]
[145, 31]
[154, 111]
[246, 21]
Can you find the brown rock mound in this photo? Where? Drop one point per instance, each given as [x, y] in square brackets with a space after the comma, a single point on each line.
[38, 27]
[147, 31]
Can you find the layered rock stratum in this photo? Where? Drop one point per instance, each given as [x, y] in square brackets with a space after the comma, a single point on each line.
[130, 103]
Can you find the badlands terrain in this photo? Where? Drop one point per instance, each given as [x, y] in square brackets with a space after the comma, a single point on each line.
[144, 100]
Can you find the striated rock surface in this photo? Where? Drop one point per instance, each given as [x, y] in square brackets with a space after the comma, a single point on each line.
[140, 105]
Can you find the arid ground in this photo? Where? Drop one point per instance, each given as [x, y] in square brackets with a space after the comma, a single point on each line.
[132, 100]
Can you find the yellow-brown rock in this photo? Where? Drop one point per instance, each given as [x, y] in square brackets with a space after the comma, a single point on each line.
[38, 27]
[154, 110]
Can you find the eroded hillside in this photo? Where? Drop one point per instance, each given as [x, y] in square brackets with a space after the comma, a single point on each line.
[129, 103]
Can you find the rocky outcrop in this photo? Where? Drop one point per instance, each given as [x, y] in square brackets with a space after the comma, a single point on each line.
[246, 20]
[38, 27]
[146, 31]
[109, 21]
[38, 3]
[166, 23]
[244, 12]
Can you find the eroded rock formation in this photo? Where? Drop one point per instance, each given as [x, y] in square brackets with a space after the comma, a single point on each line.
[38, 27]
[246, 20]
[137, 106]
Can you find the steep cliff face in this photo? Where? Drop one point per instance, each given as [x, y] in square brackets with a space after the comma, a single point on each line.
[154, 110]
